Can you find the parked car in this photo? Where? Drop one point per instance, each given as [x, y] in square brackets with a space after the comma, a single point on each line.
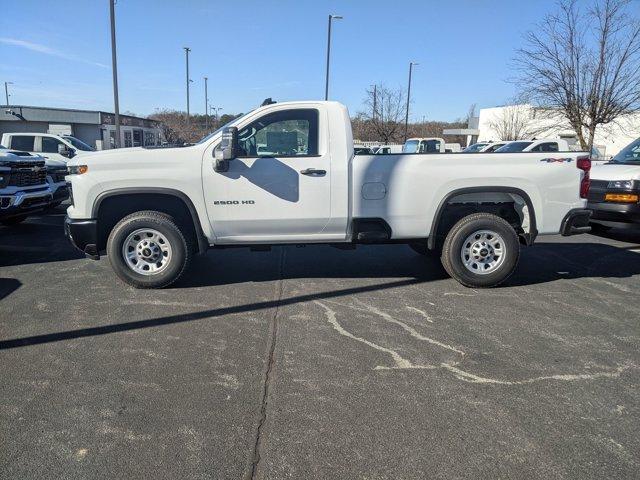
[452, 148]
[492, 147]
[614, 196]
[475, 147]
[52, 147]
[150, 210]
[424, 145]
[388, 149]
[542, 145]
[360, 150]
[23, 186]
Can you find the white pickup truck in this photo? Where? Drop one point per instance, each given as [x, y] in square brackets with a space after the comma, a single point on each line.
[151, 209]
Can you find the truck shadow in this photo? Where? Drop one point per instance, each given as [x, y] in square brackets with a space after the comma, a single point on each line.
[40, 239]
[8, 286]
[543, 263]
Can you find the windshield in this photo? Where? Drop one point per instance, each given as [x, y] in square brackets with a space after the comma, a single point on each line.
[476, 147]
[629, 154]
[513, 147]
[228, 124]
[410, 146]
[79, 144]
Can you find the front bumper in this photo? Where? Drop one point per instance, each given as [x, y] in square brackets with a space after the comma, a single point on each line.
[614, 214]
[83, 234]
[576, 222]
[22, 202]
[61, 192]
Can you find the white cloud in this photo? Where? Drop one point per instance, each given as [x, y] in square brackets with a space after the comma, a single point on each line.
[36, 47]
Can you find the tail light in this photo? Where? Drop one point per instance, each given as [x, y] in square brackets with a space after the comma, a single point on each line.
[584, 164]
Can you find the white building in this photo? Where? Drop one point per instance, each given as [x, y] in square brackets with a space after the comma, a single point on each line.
[528, 122]
[95, 128]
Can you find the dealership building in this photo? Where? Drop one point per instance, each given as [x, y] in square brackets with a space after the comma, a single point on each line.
[93, 127]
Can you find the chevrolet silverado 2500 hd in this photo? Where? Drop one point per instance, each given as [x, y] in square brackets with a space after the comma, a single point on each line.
[150, 209]
[24, 188]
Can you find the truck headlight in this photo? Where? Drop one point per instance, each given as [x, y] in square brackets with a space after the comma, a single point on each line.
[622, 184]
[77, 169]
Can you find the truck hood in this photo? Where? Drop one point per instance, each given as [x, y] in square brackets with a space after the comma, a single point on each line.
[613, 171]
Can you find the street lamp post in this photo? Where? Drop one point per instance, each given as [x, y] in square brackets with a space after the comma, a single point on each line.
[406, 118]
[206, 102]
[186, 51]
[114, 69]
[6, 91]
[326, 88]
[375, 100]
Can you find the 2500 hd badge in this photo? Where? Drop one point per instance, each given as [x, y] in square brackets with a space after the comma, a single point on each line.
[234, 202]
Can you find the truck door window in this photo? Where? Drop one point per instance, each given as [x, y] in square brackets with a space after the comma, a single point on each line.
[50, 145]
[289, 133]
[22, 142]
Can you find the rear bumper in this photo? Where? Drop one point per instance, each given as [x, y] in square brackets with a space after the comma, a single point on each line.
[83, 234]
[576, 222]
[615, 213]
[23, 202]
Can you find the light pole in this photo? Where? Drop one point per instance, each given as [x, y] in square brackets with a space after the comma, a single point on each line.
[114, 69]
[375, 100]
[406, 118]
[206, 102]
[6, 91]
[186, 51]
[326, 88]
[215, 112]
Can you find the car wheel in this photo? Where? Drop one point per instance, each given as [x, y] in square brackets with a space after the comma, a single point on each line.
[481, 250]
[148, 249]
[13, 220]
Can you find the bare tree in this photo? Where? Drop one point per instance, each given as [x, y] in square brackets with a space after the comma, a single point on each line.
[511, 122]
[384, 112]
[584, 65]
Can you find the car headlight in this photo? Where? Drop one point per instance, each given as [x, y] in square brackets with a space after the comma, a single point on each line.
[622, 184]
[77, 169]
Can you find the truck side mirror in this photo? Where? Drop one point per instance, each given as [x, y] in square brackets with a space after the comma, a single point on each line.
[65, 151]
[227, 150]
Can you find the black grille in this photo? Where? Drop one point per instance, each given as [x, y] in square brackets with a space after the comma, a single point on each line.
[28, 176]
[58, 175]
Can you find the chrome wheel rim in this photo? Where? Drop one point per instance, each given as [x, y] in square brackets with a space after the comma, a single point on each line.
[483, 252]
[146, 251]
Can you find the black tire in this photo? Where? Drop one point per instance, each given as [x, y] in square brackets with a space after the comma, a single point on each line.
[180, 244]
[452, 250]
[422, 249]
[9, 222]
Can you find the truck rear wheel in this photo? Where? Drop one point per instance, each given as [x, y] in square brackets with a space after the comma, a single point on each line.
[148, 249]
[481, 250]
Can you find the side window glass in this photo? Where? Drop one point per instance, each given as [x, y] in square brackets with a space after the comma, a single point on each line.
[50, 145]
[290, 133]
[23, 142]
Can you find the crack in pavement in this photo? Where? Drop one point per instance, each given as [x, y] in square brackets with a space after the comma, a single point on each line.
[273, 332]
[402, 363]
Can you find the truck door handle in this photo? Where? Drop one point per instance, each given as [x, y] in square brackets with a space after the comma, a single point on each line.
[313, 171]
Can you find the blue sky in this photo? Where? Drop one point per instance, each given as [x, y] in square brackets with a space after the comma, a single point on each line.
[58, 53]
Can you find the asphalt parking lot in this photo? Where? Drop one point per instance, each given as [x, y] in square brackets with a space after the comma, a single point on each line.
[319, 363]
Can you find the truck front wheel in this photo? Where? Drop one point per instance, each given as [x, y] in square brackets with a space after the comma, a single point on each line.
[148, 249]
[481, 250]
